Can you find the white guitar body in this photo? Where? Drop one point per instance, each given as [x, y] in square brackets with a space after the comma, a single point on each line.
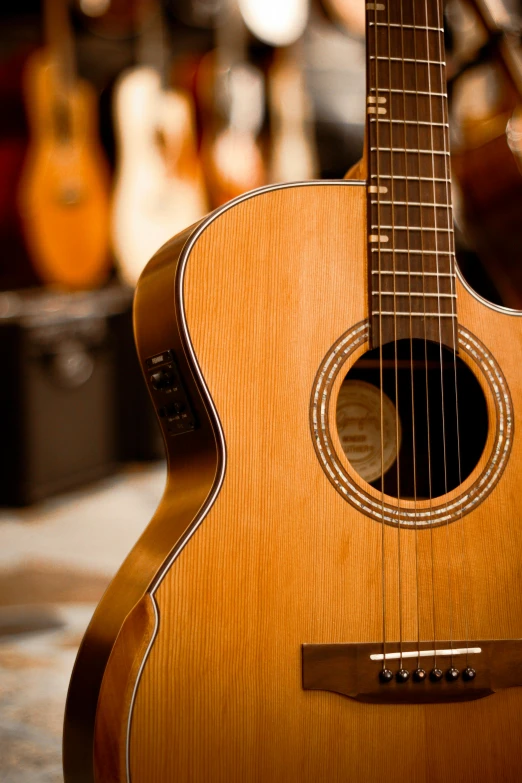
[293, 155]
[159, 187]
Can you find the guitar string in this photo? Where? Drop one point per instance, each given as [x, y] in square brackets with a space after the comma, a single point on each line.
[451, 270]
[377, 160]
[426, 377]
[439, 304]
[395, 350]
[413, 429]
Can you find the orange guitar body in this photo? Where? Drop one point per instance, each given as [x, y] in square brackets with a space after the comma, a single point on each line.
[191, 669]
[64, 191]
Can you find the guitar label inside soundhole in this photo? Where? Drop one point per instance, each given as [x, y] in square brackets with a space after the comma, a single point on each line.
[359, 428]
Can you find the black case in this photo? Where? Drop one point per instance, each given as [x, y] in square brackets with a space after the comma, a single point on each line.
[66, 396]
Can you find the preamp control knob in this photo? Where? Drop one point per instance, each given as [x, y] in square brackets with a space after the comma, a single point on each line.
[162, 380]
[175, 409]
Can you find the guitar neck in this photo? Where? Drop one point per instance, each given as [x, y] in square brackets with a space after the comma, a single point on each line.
[59, 39]
[410, 224]
[153, 45]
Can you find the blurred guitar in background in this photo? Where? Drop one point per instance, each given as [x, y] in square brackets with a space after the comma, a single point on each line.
[231, 97]
[350, 14]
[487, 155]
[293, 155]
[159, 183]
[64, 190]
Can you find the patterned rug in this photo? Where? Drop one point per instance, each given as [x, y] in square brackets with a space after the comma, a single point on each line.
[34, 674]
[55, 562]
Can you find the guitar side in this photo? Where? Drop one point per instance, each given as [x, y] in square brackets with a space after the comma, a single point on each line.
[123, 620]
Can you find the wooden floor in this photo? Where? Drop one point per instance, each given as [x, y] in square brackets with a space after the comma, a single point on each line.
[55, 561]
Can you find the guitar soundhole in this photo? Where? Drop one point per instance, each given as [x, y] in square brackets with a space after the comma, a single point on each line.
[427, 409]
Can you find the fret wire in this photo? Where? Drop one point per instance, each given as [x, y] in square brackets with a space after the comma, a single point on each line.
[426, 204]
[413, 179]
[406, 60]
[413, 293]
[413, 252]
[413, 228]
[421, 315]
[407, 26]
[410, 122]
[411, 151]
[409, 92]
[416, 274]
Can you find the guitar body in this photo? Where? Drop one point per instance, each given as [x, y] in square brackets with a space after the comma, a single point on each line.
[293, 155]
[192, 668]
[233, 164]
[64, 190]
[231, 105]
[159, 185]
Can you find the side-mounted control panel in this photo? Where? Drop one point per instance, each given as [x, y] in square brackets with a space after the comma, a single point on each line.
[169, 394]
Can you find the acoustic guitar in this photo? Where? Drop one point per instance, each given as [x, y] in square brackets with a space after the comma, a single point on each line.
[231, 95]
[159, 185]
[330, 587]
[293, 153]
[487, 162]
[64, 190]
[348, 13]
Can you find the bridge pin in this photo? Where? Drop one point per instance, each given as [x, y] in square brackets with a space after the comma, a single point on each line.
[469, 674]
[419, 675]
[452, 674]
[436, 675]
[385, 675]
[403, 675]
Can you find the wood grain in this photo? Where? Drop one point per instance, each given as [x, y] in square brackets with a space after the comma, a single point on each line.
[116, 692]
[282, 559]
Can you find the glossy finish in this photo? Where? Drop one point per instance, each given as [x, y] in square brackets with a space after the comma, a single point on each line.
[245, 565]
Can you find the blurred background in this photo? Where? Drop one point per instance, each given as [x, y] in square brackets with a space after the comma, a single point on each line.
[122, 122]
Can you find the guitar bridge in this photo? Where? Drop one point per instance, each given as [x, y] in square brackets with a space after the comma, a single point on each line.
[445, 672]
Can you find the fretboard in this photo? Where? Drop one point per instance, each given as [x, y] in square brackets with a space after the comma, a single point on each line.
[410, 221]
